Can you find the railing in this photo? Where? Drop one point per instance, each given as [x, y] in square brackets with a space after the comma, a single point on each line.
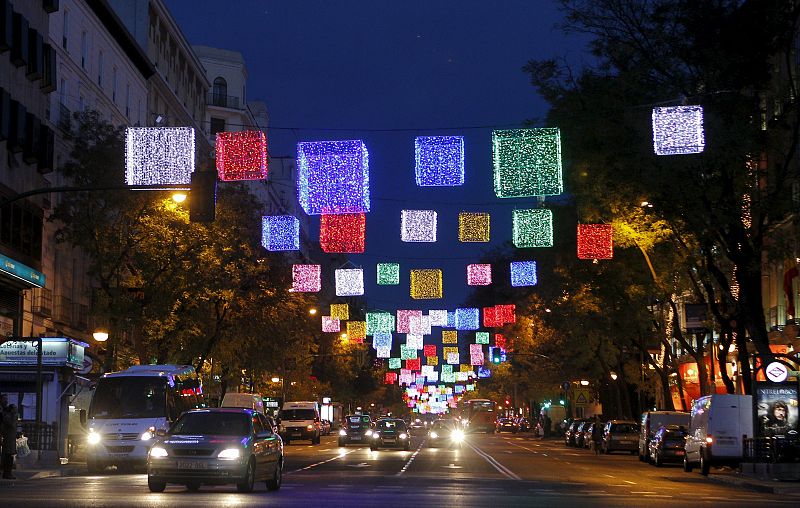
[47, 435]
[772, 449]
[63, 310]
[43, 302]
[223, 101]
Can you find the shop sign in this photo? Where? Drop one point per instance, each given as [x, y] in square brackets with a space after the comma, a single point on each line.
[22, 272]
[56, 351]
[776, 409]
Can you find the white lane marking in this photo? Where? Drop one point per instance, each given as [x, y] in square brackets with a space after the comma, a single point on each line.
[629, 482]
[410, 460]
[609, 475]
[644, 492]
[491, 460]
[340, 456]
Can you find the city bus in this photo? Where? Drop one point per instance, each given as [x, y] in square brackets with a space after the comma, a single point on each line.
[478, 415]
[129, 406]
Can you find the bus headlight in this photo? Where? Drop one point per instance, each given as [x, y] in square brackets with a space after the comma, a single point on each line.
[458, 436]
[368, 433]
[148, 434]
[93, 438]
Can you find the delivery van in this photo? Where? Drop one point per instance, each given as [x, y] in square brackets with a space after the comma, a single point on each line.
[654, 420]
[246, 400]
[717, 426]
[300, 420]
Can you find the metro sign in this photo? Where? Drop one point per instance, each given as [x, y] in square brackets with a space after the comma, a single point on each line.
[776, 372]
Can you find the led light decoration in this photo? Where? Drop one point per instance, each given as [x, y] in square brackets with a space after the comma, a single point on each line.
[451, 319]
[383, 352]
[432, 360]
[439, 161]
[438, 317]
[379, 322]
[481, 337]
[449, 337]
[527, 162]
[330, 324]
[499, 341]
[418, 225]
[159, 155]
[388, 274]
[490, 317]
[473, 227]
[426, 284]
[344, 233]
[458, 389]
[241, 155]
[479, 274]
[523, 273]
[426, 370]
[595, 241]
[678, 130]
[453, 358]
[475, 349]
[414, 364]
[407, 353]
[340, 311]
[414, 341]
[382, 339]
[429, 350]
[403, 317]
[420, 325]
[467, 319]
[349, 281]
[506, 313]
[306, 278]
[333, 177]
[477, 359]
[532, 228]
[280, 232]
[390, 378]
[394, 363]
[446, 369]
[356, 330]
[446, 350]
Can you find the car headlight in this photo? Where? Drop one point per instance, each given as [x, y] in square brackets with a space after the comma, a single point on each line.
[342, 432]
[229, 454]
[434, 435]
[403, 436]
[157, 452]
[148, 434]
[93, 438]
[310, 427]
[368, 433]
[457, 436]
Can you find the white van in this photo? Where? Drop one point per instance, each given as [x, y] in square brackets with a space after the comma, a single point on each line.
[300, 420]
[245, 400]
[654, 420]
[718, 424]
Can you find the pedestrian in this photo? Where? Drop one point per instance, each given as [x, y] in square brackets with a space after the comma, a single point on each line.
[9, 432]
[597, 435]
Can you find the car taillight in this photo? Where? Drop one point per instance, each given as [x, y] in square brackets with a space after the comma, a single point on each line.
[709, 439]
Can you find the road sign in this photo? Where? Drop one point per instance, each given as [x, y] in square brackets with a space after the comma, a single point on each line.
[776, 372]
[582, 397]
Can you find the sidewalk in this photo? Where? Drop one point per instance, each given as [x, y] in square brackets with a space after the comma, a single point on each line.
[36, 472]
[733, 477]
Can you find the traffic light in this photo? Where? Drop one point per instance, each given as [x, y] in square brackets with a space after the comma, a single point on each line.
[203, 196]
[496, 356]
[508, 402]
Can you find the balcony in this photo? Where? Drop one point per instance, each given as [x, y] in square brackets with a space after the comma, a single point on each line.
[222, 101]
[63, 310]
[43, 302]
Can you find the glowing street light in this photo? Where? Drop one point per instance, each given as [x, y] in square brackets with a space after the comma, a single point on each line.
[179, 197]
[100, 336]
[275, 380]
[312, 311]
[584, 382]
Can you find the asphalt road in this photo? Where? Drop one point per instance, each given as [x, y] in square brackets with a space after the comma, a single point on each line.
[489, 470]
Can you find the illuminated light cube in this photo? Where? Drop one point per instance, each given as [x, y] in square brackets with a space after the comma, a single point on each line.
[388, 274]
[414, 341]
[481, 337]
[403, 317]
[523, 273]
[333, 177]
[490, 317]
[678, 130]
[159, 155]
[438, 317]
[349, 281]
[471, 388]
[473, 227]
[432, 360]
[446, 350]
[280, 232]
[407, 353]
[458, 389]
[418, 225]
[306, 278]
[427, 369]
[426, 284]
[453, 358]
[449, 337]
[356, 330]
[506, 313]
[379, 322]
[466, 368]
[340, 311]
[479, 274]
[241, 155]
[451, 319]
[344, 233]
[381, 339]
[500, 341]
[475, 349]
[527, 162]
[532, 228]
[390, 378]
[429, 350]
[330, 324]
[395, 363]
[468, 319]
[477, 359]
[414, 365]
[420, 325]
[595, 241]
[439, 161]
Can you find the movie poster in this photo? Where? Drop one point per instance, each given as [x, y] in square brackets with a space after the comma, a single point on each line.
[776, 409]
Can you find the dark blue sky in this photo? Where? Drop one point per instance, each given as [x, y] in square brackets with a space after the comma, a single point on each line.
[386, 72]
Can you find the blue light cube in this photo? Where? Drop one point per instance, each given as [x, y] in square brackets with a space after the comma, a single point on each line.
[468, 318]
[280, 232]
[523, 273]
[439, 161]
[333, 177]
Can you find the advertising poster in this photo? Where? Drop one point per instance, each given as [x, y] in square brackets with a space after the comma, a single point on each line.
[776, 409]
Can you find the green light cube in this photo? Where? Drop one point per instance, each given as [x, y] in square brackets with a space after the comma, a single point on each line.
[388, 274]
[527, 162]
[532, 228]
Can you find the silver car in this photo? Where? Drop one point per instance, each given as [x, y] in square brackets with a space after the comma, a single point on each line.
[217, 446]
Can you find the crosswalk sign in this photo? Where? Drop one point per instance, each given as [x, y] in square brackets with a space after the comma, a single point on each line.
[581, 397]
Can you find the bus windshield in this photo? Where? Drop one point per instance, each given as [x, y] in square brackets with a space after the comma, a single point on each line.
[129, 397]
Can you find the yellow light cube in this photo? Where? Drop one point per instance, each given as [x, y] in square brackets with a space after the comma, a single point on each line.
[449, 337]
[426, 284]
[473, 227]
[340, 311]
[356, 330]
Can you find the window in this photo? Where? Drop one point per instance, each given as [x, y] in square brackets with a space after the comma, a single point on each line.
[114, 84]
[100, 69]
[65, 31]
[219, 91]
[84, 49]
[217, 125]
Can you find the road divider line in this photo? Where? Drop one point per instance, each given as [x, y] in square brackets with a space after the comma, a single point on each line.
[340, 456]
[491, 460]
[410, 460]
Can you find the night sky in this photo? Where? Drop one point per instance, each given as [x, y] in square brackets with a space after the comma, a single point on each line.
[386, 72]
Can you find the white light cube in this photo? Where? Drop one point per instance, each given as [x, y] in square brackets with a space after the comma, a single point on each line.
[418, 225]
[159, 155]
[349, 282]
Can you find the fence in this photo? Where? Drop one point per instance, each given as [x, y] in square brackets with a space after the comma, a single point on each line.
[47, 435]
[772, 449]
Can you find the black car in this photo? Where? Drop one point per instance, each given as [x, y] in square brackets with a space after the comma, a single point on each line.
[506, 425]
[356, 429]
[390, 432]
[668, 445]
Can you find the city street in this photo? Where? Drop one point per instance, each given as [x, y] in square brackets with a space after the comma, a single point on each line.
[492, 470]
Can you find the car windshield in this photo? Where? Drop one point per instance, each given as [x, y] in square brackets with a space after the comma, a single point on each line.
[129, 397]
[441, 426]
[358, 420]
[298, 414]
[212, 423]
[391, 425]
[624, 428]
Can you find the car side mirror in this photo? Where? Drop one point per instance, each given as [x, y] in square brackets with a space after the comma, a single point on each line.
[82, 416]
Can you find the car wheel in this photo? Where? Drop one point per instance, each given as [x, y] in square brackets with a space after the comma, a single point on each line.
[250, 478]
[193, 487]
[155, 485]
[277, 478]
[687, 466]
[705, 467]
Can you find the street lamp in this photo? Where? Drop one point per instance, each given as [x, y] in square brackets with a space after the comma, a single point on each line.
[584, 382]
[275, 380]
[614, 376]
[312, 311]
[100, 335]
[179, 197]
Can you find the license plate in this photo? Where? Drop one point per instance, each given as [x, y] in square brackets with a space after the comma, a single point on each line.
[296, 434]
[679, 452]
[626, 442]
[192, 464]
[355, 438]
[390, 440]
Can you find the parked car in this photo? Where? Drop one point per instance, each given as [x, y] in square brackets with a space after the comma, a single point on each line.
[580, 433]
[506, 425]
[621, 435]
[216, 446]
[523, 424]
[445, 433]
[716, 427]
[390, 432]
[325, 427]
[571, 434]
[356, 429]
[654, 420]
[668, 445]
